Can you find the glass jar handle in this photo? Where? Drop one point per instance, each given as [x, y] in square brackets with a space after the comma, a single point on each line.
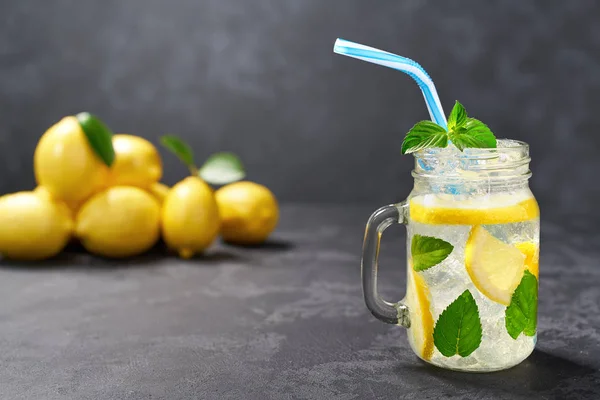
[392, 313]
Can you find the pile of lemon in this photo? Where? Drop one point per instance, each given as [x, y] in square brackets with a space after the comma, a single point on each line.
[104, 190]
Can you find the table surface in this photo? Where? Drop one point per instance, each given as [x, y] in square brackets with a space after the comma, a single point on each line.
[282, 321]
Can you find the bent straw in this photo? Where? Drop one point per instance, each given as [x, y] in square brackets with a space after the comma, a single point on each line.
[406, 65]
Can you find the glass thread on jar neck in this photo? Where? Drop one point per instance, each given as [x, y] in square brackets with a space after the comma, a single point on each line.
[448, 170]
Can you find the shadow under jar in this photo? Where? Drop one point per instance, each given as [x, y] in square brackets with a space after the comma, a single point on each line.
[472, 258]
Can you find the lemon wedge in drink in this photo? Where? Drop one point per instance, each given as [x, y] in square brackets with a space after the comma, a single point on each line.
[421, 321]
[495, 267]
[532, 256]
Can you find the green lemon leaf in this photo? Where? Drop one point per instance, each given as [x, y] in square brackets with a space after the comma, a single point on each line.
[180, 148]
[98, 135]
[427, 251]
[423, 135]
[458, 116]
[222, 168]
[473, 134]
[521, 314]
[458, 329]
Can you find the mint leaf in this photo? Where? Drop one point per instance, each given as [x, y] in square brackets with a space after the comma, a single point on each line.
[473, 134]
[458, 116]
[427, 251]
[99, 136]
[178, 147]
[222, 168]
[521, 314]
[423, 135]
[458, 329]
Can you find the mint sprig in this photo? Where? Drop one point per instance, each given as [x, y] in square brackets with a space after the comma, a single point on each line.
[458, 329]
[463, 132]
[521, 314]
[428, 251]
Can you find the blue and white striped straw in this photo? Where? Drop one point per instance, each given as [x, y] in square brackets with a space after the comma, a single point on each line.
[406, 65]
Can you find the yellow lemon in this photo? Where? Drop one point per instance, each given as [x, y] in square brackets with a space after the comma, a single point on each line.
[532, 256]
[66, 165]
[121, 221]
[32, 226]
[421, 320]
[249, 212]
[190, 217]
[42, 191]
[440, 214]
[137, 162]
[496, 268]
[159, 191]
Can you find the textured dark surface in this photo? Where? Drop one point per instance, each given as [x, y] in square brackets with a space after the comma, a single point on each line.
[259, 77]
[285, 321]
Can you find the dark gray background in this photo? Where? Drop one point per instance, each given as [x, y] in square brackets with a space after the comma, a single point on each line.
[259, 78]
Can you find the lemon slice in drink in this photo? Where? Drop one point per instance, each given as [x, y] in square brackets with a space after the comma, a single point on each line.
[495, 267]
[421, 322]
[532, 256]
[429, 210]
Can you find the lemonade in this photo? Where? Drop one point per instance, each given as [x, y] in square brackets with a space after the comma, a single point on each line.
[472, 257]
[492, 237]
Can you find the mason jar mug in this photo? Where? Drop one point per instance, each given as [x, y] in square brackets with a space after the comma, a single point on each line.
[472, 258]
